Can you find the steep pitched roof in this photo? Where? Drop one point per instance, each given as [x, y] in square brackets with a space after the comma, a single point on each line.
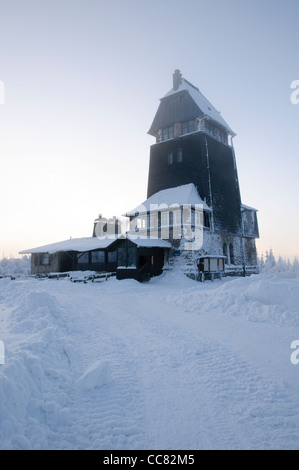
[203, 106]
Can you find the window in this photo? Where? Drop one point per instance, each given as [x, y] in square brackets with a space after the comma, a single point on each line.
[112, 257]
[206, 219]
[134, 224]
[191, 126]
[164, 134]
[213, 264]
[177, 219]
[82, 258]
[225, 253]
[209, 127]
[97, 257]
[141, 222]
[127, 256]
[188, 126]
[231, 253]
[153, 220]
[122, 256]
[164, 219]
[170, 158]
[131, 256]
[216, 132]
[179, 155]
[45, 259]
[168, 133]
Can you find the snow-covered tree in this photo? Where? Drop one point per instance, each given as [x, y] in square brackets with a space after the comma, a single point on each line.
[15, 266]
[296, 264]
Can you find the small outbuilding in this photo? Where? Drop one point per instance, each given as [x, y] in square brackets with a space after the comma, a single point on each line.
[75, 254]
[128, 257]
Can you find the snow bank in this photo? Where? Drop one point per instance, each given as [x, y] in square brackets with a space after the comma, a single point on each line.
[37, 354]
[258, 298]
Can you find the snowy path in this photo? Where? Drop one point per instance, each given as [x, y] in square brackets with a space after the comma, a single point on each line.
[120, 365]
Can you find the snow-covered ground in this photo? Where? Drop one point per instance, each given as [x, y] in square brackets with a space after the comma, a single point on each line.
[168, 364]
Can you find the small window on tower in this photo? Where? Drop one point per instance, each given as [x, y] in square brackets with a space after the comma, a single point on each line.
[206, 219]
[168, 133]
[164, 134]
[180, 155]
[185, 128]
[191, 126]
[170, 158]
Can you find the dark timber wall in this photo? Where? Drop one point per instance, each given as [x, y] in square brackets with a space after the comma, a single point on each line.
[203, 156]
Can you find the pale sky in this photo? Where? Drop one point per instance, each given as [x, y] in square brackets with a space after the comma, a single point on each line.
[83, 79]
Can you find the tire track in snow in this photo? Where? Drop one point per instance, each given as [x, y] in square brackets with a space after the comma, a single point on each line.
[199, 394]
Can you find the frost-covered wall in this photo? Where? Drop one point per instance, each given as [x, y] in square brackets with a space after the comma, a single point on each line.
[240, 253]
[41, 264]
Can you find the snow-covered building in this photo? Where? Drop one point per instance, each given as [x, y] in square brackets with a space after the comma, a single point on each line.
[193, 209]
[193, 168]
[127, 257]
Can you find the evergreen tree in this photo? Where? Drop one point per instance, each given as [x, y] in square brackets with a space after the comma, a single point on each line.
[261, 262]
[296, 264]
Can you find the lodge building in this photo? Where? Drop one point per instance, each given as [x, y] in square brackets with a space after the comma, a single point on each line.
[193, 209]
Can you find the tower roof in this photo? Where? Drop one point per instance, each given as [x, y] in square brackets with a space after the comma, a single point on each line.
[197, 104]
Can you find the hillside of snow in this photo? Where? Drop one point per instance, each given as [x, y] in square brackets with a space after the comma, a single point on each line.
[167, 364]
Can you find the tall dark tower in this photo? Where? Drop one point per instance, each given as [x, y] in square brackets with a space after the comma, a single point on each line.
[193, 162]
[194, 145]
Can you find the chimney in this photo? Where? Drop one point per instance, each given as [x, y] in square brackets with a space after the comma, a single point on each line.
[177, 79]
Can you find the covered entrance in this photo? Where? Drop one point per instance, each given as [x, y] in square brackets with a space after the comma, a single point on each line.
[141, 258]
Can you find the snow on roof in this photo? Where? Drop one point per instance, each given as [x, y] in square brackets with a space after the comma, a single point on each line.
[248, 208]
[73, 244]
[95, 243]
[166, 198]
[149, 242]
[212, 256]
[204, 105]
